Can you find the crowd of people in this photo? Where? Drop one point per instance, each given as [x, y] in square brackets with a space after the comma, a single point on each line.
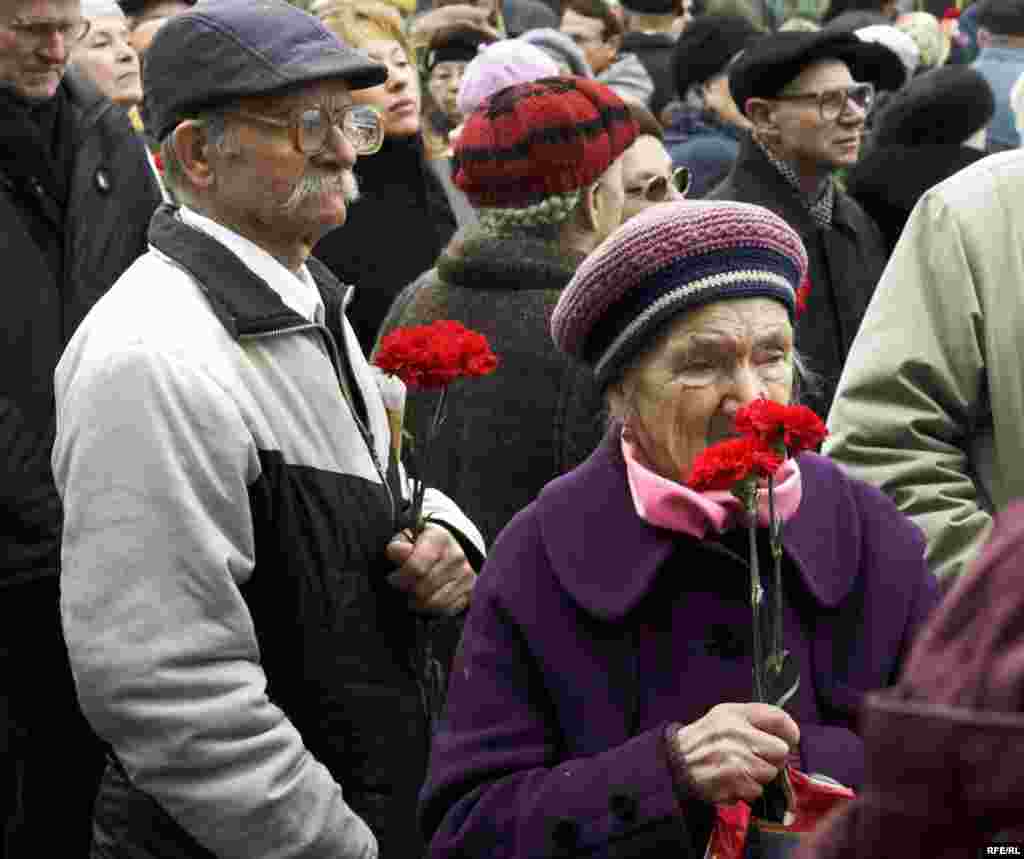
[231, 624]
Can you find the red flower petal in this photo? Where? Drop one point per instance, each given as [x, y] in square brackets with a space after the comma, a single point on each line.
[435, 355]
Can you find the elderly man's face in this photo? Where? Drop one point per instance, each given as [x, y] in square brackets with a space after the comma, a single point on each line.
[267, 188]
[646, 176]
[811, 142]
[35, 44]
[683, 394]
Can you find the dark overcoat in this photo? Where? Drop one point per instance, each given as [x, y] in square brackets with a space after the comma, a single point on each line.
[590, 631]
[846, 260]
[540, 414]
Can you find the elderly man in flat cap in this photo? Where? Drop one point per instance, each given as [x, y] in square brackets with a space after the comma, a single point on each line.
[245, 628]
[807, 96]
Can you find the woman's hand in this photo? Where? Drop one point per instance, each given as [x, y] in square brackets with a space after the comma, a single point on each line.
[734, 750]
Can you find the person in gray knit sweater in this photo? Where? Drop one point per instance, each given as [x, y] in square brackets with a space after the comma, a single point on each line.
[540, 414]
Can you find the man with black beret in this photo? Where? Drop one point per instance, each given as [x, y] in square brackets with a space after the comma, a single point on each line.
[244, 602]
[807, 96]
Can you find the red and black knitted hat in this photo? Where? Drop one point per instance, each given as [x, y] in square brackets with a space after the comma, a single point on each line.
[532, 140]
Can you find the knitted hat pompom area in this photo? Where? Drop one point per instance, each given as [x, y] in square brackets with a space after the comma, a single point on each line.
[534, 140]
[667, 260]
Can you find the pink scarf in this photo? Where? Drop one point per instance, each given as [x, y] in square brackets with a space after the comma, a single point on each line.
[668, 504]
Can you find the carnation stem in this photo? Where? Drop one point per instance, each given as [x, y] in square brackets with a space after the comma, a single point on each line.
[420, 486]
[756, 593]
[775, 526]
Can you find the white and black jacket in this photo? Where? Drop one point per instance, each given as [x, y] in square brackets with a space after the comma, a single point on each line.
[224, 599]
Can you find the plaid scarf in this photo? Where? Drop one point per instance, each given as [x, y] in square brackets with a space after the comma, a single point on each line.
[819, 203]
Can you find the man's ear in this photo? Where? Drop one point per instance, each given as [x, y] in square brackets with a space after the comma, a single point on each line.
[190, 145]
[615, 43]
[762, 113]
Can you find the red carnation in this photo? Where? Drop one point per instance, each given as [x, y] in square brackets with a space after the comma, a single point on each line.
[158, 160]
[435, 355]
[951, 12]
[796, 427]
[729, 462]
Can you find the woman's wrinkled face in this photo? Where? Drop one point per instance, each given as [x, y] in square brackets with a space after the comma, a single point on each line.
[683, 393]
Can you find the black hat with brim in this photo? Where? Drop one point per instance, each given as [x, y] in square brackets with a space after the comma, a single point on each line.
[769, 63]
[219, 52]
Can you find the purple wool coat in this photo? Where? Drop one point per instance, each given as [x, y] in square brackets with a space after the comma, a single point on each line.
[590, 631]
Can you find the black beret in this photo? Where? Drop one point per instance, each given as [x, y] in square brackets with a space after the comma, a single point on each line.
[456, 44]
[944, 106]
[134, 8]
[705, 47]
[1001, 17]
[650, 7]
[771, 62]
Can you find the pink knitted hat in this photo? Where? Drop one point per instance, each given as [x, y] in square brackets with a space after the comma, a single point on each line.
[498, 65]
[667, 260]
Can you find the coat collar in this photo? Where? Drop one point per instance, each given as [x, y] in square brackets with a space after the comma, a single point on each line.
[477, 259]
[243, 302]
[607, 558]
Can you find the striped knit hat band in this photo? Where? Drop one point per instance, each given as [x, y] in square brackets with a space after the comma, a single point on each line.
[666, 261]
[533, 140]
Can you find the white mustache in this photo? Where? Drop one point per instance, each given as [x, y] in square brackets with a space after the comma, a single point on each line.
[315, 184]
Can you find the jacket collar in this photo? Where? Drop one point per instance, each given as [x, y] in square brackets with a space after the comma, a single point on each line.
[243, 302]
[607, 558]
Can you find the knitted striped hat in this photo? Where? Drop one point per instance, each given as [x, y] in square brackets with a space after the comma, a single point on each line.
[669, 259]
[532, 140]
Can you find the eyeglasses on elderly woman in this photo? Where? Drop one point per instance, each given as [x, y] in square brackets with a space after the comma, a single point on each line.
[360, 124]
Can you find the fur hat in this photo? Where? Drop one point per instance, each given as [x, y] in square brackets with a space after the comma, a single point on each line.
[706, 46]
[502, 64]
[667, 260]
[533, 140]
[944, 106]
[132, 8]
[771, 62]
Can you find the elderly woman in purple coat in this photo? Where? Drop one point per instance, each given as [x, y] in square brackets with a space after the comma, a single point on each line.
[599, 704]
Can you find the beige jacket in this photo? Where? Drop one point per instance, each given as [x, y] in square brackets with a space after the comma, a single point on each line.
[930, 406]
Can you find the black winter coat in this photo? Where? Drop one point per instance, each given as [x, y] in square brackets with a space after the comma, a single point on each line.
[846, 261]
[111, 196]
[540, 414]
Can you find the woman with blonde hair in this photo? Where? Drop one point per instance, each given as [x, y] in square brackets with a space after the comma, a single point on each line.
[402, 197]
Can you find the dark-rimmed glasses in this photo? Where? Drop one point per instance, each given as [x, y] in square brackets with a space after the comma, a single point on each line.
[655, 189]
[360, 124]
[72, 30]
[833, 102]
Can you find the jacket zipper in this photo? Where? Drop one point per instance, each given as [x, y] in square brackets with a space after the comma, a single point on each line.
[334, 354]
